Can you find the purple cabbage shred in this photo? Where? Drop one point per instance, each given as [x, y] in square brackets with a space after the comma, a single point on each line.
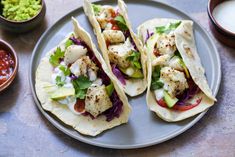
[188, 94]
[148, 35]
[127, 34]
[118, 74]
[116, 109]
[77, 41]
[72, 76]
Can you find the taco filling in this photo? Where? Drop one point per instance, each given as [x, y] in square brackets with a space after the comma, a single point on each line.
[124, 56]
[171, 81]
[79, 82]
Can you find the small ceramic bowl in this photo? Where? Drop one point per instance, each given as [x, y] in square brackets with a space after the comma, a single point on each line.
[225, 36]
[22, 26]
[5, 46]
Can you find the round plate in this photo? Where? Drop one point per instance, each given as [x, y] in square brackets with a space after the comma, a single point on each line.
[144, 127]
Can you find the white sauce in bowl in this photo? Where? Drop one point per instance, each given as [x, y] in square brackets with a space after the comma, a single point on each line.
[224, 14]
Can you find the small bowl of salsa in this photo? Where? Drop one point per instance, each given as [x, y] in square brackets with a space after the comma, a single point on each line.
[8, 65]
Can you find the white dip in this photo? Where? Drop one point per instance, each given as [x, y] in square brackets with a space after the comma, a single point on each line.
[224, 14]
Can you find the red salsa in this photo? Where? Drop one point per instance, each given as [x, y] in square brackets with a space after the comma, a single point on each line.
[7, 65]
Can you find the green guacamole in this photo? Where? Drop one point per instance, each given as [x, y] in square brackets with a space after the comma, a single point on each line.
[20, 10]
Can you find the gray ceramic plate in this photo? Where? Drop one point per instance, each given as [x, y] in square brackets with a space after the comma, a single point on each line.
[144, 127]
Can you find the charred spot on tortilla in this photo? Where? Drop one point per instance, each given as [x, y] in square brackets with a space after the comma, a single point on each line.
[188, 51]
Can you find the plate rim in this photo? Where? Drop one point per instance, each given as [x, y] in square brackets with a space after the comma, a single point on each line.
[94, 143]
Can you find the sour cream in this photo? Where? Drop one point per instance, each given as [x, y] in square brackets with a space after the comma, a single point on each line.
[224, 14]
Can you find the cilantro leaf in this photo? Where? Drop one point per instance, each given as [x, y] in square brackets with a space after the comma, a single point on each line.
[81, 94]
[68, 43]
[65, 70]
[168, 28]
[173, 26]
[135, 59]
[59, 82]
[156, 83]
[156, 72]
[81, 84]
[134, 56]
[121, 22]
[96, 8]
[55, 58]
[161, 29]
[137, 64]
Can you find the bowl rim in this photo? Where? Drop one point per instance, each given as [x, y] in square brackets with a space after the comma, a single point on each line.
[8, 82]
[25, 21]
[214, 21]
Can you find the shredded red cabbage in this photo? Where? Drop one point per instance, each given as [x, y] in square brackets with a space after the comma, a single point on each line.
[118, 74]
[116, 109]
[78, 42]
[73, 77]
[188, 94]
[148, 35]
[128, 34]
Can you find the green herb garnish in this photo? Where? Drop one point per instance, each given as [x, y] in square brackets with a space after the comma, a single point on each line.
[96, 8]
[68, 43]
[156, 83]
[134, 58]
[59, 81]
[167, 29]
[65, 70]
[81, 84]
[55, 58]
[121, 22]
[110, 89]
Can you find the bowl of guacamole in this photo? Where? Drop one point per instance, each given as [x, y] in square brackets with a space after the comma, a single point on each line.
[21, 15]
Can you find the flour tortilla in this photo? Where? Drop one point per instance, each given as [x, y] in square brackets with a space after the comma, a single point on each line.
[83, 124]
[133, 87]
[185, 43]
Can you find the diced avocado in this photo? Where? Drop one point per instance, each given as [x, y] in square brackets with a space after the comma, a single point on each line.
[169, 100]
[137, 73]
[62, 92]
[110, 89]
[177, 54]
[185, 68]
[56, 92]
[50, 88]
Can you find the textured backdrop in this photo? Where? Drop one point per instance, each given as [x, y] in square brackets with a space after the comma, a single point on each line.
[25, 132]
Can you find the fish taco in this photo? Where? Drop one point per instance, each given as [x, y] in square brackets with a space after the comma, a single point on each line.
[177, 86]
[120, 46]
[74, 83]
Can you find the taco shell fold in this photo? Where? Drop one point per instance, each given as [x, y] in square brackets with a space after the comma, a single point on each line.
[133, 87]
[83, 124]
[184, 40]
